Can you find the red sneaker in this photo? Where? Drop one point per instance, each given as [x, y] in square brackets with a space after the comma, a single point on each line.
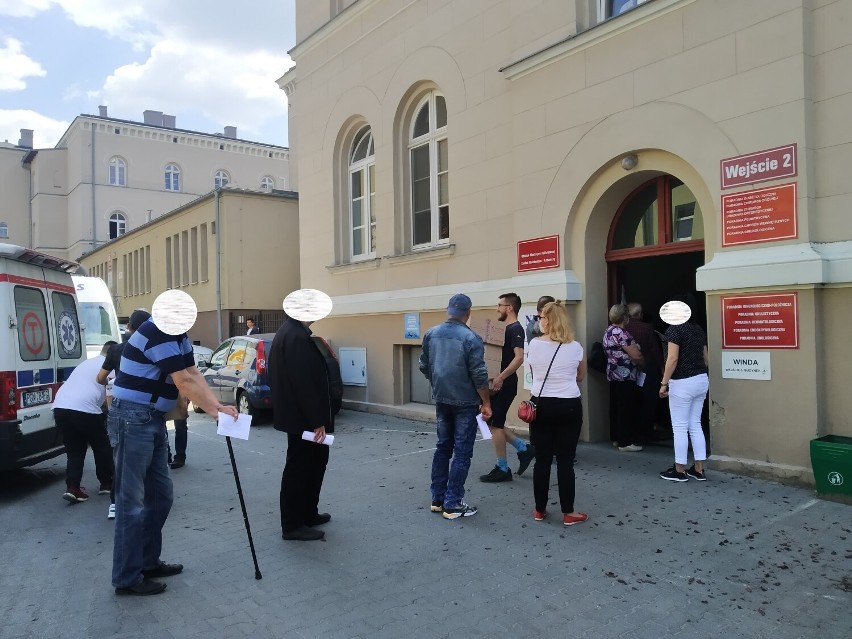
[75, 494]
[539, 515]
[570, 520]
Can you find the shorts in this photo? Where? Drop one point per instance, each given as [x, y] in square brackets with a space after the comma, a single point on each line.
[500, 404]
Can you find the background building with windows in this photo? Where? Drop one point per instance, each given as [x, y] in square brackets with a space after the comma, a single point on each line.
[578, 149]
[107, 176]
[253, 233]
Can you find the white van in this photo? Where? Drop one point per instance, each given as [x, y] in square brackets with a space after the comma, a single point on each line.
[97, 313]
[40, 346]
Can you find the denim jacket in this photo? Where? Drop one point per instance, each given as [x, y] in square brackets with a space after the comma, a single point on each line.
[453, 361]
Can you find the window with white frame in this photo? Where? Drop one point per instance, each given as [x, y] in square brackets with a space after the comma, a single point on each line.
[173, 178]
[117, 225]
[362, 195]
[221, 179]
[430, 204]
[267, 183]
[4, 230]
[117, 172]
[611, 8]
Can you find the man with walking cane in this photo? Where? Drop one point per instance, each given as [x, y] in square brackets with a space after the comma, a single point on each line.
[156, 364]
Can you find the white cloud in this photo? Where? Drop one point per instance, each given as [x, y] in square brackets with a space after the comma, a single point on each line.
[15, 66]
[46, 131]
[224, 86]
[23, 8]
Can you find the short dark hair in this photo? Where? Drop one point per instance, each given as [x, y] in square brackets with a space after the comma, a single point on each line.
[543, 301]
[250, 319]
[513, 300]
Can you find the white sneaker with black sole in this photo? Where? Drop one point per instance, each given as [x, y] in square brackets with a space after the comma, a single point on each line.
[111, 512]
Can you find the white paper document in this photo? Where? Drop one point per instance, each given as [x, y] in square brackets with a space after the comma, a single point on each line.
[308, 436]
[483, 427]
[231, 428]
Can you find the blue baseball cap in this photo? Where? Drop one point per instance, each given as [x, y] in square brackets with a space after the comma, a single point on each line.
[459, 305]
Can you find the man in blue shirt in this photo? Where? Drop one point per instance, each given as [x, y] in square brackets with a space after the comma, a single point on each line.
[154, 367]
[453, 360]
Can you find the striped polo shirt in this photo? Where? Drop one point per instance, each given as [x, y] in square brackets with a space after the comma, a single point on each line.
[147, 362]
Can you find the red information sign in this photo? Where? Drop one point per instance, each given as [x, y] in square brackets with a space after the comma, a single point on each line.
[772, 164]
[762, 215]
[537, 254]
[760, 321]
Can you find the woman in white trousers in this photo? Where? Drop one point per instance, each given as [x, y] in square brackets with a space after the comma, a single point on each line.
[685, 383]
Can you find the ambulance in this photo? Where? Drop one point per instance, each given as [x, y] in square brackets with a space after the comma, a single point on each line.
[97, 313]
[41, 343]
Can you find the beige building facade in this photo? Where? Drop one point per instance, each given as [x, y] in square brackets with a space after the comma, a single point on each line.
[107, 176]
[594, 150]
[255, 236]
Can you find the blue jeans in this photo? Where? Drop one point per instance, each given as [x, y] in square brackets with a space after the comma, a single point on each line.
[456, 434]
[143, 489]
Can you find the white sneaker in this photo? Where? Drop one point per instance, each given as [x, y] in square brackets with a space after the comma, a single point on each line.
[111, 512]
[632, 448]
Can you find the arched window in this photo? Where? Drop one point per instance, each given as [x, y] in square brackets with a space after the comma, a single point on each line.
[430, 203]
[267, 183]
[117, 225]
[221, 179]
[4, 230]
[362, 195]
[661, 216]
[173, 178]
[117, 172]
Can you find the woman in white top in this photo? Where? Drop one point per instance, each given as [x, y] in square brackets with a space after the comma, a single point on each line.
[559, 414]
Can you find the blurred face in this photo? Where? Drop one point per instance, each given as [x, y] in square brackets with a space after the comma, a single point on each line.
[250, 323]
[544, 325]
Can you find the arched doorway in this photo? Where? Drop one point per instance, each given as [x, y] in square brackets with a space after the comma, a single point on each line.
[654, 248]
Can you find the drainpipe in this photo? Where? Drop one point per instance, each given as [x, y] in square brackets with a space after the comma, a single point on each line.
[218, 266]
[32, 233]
[94, 210]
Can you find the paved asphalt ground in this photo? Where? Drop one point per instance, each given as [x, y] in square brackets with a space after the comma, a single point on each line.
[730, 557]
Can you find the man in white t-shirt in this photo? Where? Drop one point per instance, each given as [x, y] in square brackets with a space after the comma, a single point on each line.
[78, 412]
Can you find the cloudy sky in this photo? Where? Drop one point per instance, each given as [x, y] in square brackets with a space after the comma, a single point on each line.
[210, 63]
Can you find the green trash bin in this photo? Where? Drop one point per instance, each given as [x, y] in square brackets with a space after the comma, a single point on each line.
[831, 459]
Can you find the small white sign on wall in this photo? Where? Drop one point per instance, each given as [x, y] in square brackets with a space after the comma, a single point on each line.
[746, 365]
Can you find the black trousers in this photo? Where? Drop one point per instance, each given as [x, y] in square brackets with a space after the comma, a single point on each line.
[79, 431]
[301, 481]
[649, 398]
[555, 433]
[181, 433]
[625, 397]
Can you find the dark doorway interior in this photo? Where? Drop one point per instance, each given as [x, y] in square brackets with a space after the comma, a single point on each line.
[652, 281]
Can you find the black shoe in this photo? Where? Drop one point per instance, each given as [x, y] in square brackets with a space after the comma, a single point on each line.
[144, 587]
[303, 533]
[438, 506]
[163, 570]
[525, 457]
[672, 474]
[320, 519]
[700, 476]
[497, 475]
[177, 463]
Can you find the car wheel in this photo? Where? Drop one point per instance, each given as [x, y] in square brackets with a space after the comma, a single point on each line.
[244, 405]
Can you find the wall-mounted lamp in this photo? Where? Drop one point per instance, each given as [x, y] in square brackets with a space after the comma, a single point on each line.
[629, 162]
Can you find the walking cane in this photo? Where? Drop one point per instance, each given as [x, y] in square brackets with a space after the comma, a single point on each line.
[257, 574]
